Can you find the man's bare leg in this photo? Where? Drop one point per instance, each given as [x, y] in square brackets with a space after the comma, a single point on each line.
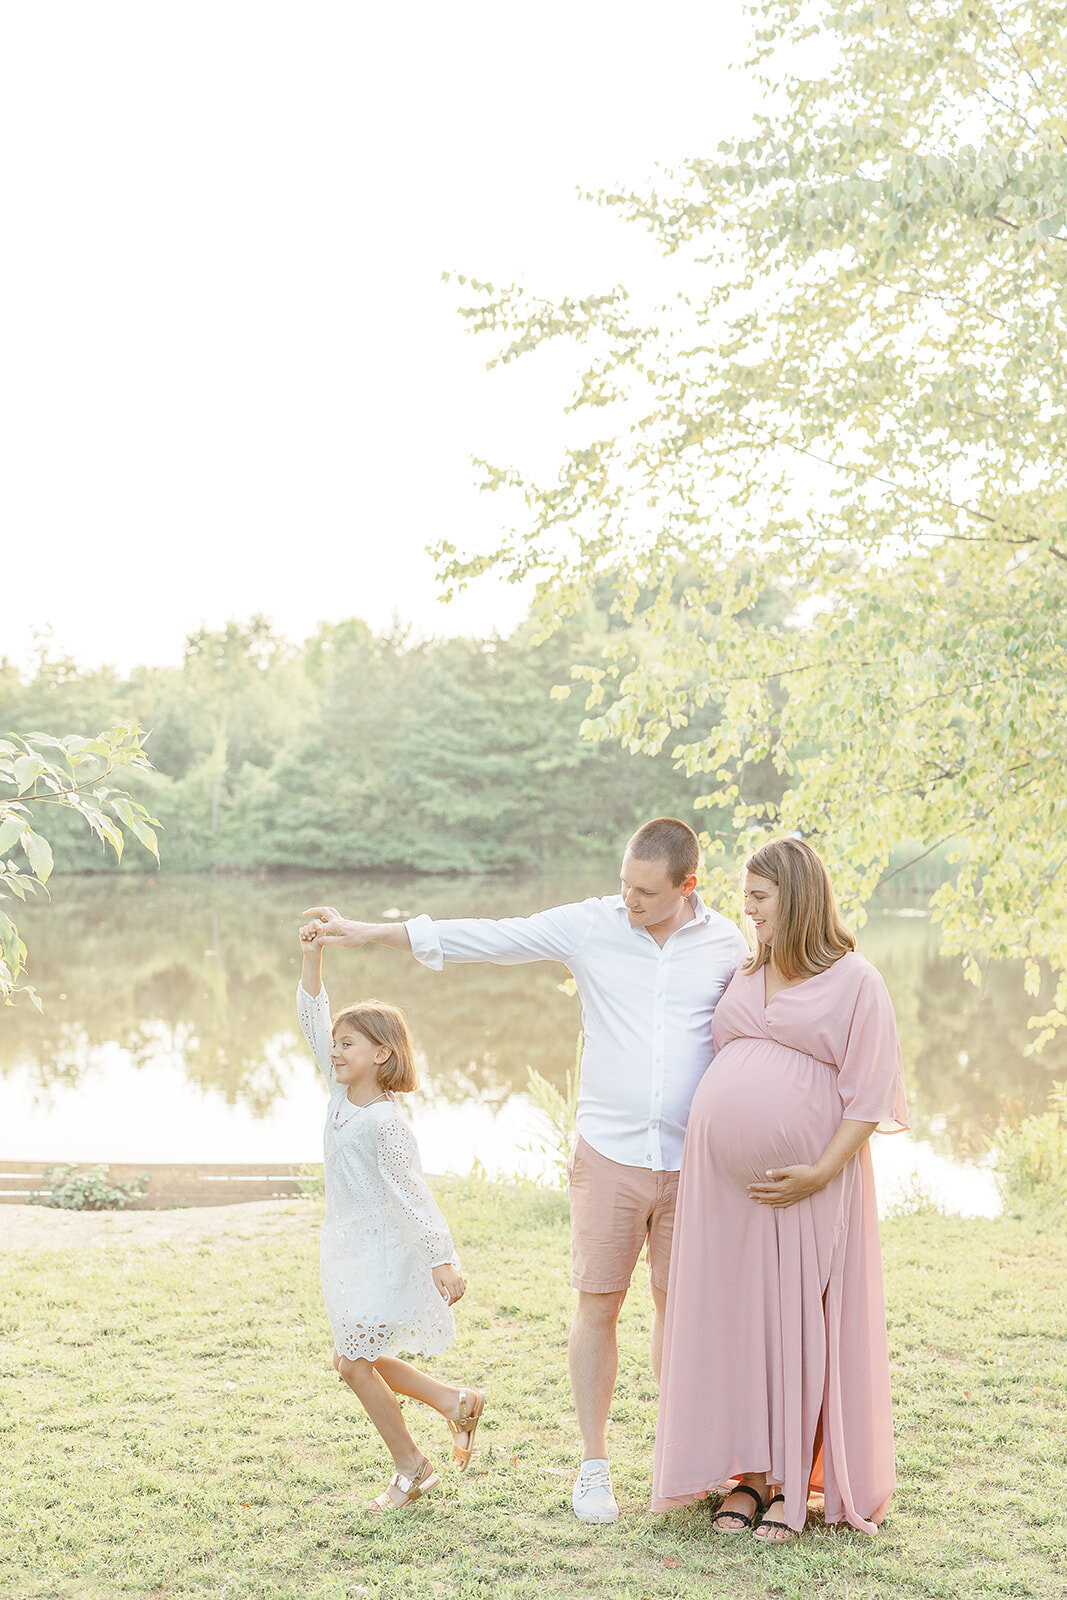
[593, 1354]
[593, 1357]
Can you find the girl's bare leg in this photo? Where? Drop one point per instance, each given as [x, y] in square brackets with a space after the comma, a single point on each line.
[382, 1407]
[403, 1378]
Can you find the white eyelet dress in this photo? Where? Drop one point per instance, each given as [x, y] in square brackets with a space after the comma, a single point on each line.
[383, 1232]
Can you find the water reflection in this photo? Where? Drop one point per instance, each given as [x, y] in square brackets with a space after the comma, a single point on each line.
[184, 987]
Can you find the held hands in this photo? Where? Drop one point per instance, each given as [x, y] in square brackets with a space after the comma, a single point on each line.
[332, 928]
[449, 1284]
[784, 1186]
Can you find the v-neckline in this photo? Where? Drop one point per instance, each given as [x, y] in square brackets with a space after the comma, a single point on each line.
[787, 988]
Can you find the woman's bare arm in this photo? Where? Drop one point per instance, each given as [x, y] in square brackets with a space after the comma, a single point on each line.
[784, 1186]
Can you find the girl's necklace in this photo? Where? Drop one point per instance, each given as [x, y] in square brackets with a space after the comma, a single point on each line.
[339, 1125]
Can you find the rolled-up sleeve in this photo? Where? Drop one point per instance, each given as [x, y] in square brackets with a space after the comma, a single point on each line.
[555, 935]
[425, 945]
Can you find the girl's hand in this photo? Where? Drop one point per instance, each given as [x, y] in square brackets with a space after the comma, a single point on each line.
[450, 1286]
[309, 935]
[784, 1186]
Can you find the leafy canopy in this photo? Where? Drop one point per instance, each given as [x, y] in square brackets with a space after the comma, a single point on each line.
[853, 392]
[38, 771]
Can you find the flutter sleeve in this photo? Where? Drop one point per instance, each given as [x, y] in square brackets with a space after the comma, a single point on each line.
[313, 1014]
[417, 1212]
[870, 1076]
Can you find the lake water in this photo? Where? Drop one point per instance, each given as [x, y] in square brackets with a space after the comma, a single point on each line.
[169, 1031]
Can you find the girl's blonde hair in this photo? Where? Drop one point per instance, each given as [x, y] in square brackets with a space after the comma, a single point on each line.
[810, 935]
[384, 1025]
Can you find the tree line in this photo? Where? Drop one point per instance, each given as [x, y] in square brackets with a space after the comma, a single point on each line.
[353, 751]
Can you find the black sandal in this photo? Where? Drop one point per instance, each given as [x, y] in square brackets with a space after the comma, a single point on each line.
[772, 1522]
[739, 1516]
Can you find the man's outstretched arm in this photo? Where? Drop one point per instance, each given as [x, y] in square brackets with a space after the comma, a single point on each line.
[553, 935]
[334, 929]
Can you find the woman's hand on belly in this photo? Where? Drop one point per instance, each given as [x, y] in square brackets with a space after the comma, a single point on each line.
[784, 1186]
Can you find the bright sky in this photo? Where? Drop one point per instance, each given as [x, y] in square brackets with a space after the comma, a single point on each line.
[231, 378]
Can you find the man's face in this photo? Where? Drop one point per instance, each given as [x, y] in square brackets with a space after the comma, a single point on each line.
[647, 891]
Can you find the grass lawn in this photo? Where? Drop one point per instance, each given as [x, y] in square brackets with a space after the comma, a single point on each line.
[171, 1427]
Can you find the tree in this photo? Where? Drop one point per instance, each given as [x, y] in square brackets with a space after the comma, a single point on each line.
[41, 770]
[855, 393]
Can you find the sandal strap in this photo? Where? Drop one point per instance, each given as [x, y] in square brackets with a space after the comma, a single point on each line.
[739, 1516]
[776, 1499]
[410, 1486]
[468, 1416]
[746, 1488]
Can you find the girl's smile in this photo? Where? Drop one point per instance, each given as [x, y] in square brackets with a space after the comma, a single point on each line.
[355, 1060]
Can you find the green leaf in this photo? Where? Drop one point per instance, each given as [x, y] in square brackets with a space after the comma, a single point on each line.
[39, 854]
[27, 770]
[134, 816]
[11, 829]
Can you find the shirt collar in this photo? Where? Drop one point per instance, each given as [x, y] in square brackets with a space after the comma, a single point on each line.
[700, 910]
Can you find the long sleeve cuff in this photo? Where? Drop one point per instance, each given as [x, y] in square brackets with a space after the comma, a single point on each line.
[425, 945]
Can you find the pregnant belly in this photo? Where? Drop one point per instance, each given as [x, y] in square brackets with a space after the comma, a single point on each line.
[763, 1105]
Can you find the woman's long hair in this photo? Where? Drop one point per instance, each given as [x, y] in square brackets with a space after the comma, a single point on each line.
[810, 935]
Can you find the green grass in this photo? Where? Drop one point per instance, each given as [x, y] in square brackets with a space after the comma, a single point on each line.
[171, 1428]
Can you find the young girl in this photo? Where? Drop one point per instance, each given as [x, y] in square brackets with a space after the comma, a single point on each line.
[389, 1269]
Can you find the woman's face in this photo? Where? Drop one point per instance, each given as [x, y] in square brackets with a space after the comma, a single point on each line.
[761, 904]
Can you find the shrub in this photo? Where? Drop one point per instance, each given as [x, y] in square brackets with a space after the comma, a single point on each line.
[560, 1112]
[1031, 1155]
[312, 1181]
[87, 1189]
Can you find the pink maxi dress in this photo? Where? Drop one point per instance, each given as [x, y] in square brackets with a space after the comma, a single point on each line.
[775, 1357]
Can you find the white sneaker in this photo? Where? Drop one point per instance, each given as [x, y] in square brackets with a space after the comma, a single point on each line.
[591, 1496]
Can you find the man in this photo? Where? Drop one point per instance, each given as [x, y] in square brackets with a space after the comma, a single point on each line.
[650, 964]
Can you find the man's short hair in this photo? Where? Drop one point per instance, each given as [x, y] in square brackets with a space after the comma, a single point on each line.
[666, 838]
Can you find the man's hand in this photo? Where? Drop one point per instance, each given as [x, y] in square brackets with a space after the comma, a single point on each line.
[784, 1186]
[450, 1286]
[332, 928]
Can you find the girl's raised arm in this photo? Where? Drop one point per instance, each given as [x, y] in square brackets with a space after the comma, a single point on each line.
[313, 1006]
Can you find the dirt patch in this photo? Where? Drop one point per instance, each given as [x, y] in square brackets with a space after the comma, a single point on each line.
[40, 1228]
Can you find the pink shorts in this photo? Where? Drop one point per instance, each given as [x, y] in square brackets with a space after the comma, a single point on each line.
[615, 1210]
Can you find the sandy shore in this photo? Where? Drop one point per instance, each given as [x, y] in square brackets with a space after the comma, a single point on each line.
[40, 1228]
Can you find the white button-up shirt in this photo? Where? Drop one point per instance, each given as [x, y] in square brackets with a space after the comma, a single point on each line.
[646, 1010]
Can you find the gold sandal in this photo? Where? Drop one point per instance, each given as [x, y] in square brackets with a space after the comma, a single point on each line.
[471, 1406]
[411, 1488]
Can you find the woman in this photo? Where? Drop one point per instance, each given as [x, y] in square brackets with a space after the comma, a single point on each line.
[775, 1364]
